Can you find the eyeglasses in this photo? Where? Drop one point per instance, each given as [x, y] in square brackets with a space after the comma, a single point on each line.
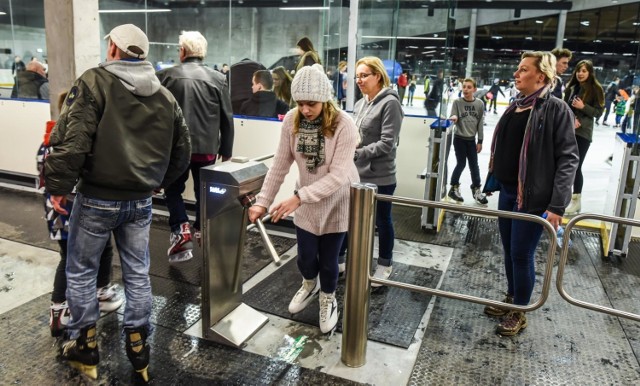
[362, 76]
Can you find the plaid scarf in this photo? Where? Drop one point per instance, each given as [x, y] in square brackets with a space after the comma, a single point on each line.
[311, 142]
[523, 102]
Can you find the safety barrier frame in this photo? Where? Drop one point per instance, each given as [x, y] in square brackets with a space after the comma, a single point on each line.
[564, 254]
[361, 237]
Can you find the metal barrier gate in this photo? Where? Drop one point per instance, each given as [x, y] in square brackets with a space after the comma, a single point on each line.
[357, 291]
[563, 261]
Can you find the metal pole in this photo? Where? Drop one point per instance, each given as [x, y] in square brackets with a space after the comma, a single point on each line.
[562, 24]
[355, 324]
[473, 25]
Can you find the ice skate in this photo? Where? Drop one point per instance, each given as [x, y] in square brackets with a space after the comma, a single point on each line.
[181, 245]
[82, 353]
[59, 316]
[108, 299]
[138, 350]
[328, 313]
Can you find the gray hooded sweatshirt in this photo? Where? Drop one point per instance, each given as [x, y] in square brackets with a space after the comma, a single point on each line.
[378, 122]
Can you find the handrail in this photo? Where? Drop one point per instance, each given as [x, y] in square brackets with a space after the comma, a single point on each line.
[546, 284]
[564, 257]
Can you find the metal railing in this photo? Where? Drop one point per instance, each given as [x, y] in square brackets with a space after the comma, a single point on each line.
[361, 236]
[564, 257]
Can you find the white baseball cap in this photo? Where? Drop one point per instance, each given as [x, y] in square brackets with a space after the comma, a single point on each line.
[128, 37]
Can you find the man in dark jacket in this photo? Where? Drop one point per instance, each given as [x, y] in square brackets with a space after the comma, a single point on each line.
[203, 95]
[120, 136]
[263, 102]
[31, 83]
[241, 74]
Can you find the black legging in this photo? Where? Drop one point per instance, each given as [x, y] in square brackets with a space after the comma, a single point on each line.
[583, 147]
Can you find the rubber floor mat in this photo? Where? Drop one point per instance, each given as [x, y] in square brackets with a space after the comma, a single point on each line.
[394, 314]
[255, 257]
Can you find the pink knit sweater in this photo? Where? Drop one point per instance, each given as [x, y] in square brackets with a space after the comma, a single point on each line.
[325, 191]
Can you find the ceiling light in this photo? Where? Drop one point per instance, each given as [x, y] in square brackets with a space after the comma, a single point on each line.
[2, 13]
[154, 10]
[539, 22]
[529, 38]
[585, 23]
[304, 8]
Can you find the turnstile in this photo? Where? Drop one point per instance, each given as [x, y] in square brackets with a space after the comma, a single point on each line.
[226, 191]
[435, 174]
[622, 195]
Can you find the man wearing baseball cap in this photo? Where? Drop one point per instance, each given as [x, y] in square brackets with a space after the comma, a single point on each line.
[120, 136]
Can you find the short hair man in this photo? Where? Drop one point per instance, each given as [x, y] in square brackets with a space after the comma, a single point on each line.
[203, 95]
[121, 135]
[32, 83]
[563, 56]
[263, 102]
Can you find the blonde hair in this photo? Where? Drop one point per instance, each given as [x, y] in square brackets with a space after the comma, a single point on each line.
[330, 113]
[377, 67]
[470, 80]
[194, 44]
[545, 62]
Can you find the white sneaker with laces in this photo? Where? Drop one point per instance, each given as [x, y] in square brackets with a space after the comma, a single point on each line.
[382, 272]
[305, 294]
[108, 299]
[328, 312]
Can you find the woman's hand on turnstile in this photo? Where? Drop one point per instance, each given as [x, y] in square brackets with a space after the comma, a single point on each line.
[255, 212]
[285, 208]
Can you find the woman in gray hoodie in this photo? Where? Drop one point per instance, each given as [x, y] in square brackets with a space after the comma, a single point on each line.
[378, 117]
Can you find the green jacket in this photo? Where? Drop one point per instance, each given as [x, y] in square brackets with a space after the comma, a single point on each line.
[587, 115]
[120, 135]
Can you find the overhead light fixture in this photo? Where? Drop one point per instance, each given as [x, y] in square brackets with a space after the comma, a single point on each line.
[529, 38]
[403, 37]
[304, 8]
[2, 13]
[585, 23]
[155, 10]
[539, 22]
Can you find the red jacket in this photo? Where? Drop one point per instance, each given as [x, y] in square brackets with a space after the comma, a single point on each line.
[403, 81]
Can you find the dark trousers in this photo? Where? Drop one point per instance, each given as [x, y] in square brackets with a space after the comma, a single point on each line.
[465, 149]
[173, 196]
[58, 295]
[519, 241]
[384, 225]
[401, 91]
[607, 108]
[583, 147]
[319, 255]
[493, 102]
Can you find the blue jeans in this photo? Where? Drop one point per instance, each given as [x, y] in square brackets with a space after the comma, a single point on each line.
[173, 196]
[319, 255]
[90, 226]
[519, 240]
[384, 225]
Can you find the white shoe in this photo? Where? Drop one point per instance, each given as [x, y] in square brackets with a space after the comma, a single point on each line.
[575, 205]
[328, 312]
[382, 272]
[342, 267]
[304, 295]
[108, 299]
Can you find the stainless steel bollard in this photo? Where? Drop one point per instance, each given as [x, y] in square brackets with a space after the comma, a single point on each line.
[355, 324]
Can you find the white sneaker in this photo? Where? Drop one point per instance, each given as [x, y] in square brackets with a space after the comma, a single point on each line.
[342, 267]
[108, 299]
[305, 294]
[328, 312]
[382, 272]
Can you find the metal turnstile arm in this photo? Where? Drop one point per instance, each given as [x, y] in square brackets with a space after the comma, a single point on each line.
[267, 241]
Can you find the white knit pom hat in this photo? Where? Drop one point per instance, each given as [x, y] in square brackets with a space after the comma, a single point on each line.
[311, 84]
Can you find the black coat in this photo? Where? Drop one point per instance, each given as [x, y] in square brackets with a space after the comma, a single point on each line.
[264, 104]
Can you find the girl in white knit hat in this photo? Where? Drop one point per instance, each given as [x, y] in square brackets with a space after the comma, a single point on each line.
[321, 140]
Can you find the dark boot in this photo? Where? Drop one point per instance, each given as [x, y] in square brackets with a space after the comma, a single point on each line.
[138, 350]
[82, 353]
